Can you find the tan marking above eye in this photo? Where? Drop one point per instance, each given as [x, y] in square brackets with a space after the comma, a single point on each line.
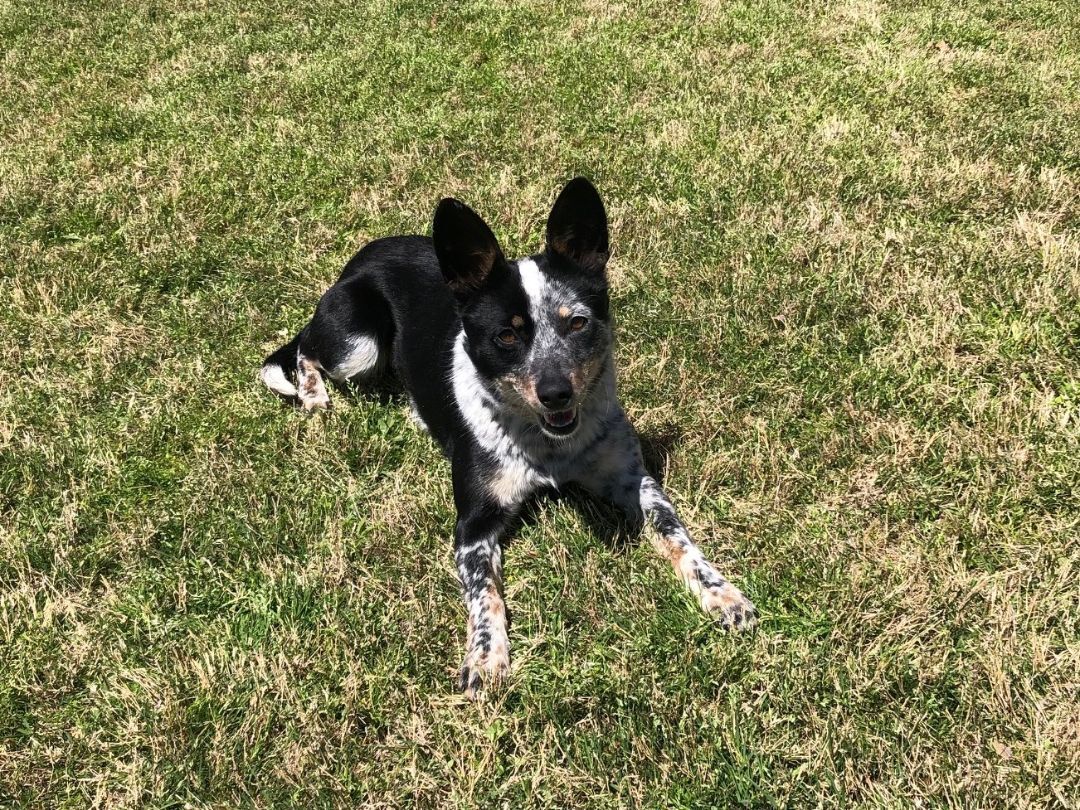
[517, 322]
[564, 312]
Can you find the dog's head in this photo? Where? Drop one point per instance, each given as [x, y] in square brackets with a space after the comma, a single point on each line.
[537, 329]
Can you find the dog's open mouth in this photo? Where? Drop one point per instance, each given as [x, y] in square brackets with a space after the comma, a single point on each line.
[559, 423]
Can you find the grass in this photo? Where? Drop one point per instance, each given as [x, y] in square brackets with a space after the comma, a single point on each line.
[846, 274]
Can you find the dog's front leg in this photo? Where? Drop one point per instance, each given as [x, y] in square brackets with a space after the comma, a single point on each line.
[479, 563]
[487, 492]
[718, 597]
[616, 473]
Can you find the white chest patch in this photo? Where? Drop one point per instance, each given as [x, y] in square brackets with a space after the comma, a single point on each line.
[476, 403]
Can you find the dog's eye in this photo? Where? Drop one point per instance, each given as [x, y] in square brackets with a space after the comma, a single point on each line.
[577, 323]
[507, 337]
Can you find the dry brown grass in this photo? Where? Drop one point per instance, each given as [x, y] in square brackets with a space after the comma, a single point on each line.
[846, 274]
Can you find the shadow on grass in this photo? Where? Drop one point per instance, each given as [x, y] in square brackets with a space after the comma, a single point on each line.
[608, 523]
[384, 390]
[605, 521]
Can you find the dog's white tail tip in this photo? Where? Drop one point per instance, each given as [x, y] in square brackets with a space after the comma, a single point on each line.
[274, 377]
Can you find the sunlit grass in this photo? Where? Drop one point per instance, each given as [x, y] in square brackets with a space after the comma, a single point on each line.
[846, 274]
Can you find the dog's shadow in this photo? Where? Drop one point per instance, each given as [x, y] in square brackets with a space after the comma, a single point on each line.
[605, 521]
[385, 389]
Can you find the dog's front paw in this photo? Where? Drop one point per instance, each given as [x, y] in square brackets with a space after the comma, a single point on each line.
[483, 669]
[729, 607]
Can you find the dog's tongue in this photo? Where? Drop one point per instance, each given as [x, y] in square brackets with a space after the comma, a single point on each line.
[559, 418]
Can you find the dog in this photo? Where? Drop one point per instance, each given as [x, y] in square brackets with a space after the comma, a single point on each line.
[509, 366]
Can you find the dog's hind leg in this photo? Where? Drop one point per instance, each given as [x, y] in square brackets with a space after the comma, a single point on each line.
[348, 338]
[358, 356]
[310, 388]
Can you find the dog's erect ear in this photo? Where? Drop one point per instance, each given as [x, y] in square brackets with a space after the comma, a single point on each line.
[465, 246]
[577, 226]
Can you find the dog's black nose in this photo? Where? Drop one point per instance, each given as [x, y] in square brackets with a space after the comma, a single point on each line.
[554, 393]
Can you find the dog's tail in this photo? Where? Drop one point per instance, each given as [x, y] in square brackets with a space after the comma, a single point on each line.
[279, 367]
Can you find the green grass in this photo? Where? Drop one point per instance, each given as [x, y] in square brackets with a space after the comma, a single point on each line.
[846, 275]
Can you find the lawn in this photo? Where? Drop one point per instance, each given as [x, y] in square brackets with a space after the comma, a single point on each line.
[846, 277]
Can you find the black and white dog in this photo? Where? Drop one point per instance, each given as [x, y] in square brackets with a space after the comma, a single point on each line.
[509, 366]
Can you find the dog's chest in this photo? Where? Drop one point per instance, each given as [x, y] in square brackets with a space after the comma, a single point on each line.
[604, 461]
[514, 479]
